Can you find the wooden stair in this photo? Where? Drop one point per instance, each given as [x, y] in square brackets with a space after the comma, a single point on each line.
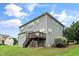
[33, 35]
[27, 41]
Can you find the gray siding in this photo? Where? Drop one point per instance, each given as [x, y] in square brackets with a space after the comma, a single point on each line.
[54, 29]
[21, 39]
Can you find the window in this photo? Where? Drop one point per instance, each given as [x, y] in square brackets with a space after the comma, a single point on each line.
[30, 24]
[37, 21]
[22, 29]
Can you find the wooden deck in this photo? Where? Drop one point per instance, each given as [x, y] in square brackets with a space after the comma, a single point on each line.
[39, 35]
[35, 39]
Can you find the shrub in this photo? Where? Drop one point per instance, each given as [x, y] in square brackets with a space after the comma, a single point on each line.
[15, 41]
[60, 41]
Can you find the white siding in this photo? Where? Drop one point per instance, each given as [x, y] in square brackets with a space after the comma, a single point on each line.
[9, 41]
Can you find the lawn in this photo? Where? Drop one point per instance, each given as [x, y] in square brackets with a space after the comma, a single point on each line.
[72, 50]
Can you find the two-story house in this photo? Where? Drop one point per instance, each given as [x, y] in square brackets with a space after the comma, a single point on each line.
[40, 32]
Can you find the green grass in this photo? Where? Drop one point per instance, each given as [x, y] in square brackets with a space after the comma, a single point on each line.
[72, 50]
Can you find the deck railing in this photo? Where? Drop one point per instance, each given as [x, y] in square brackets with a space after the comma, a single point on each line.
[37, 35]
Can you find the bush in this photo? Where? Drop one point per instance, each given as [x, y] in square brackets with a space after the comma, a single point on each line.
[60, 41]
[15, 41]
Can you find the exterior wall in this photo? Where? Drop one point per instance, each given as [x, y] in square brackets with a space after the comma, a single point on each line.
[37, 25]
[9, 41]
[1, 42]
[21, 39]
[54, 29]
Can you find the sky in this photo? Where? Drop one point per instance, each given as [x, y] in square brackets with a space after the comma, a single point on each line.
[13, 15]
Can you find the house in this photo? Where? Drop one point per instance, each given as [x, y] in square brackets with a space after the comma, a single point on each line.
[40, 32]
[3, 38]
[9, 41]
[6, 40]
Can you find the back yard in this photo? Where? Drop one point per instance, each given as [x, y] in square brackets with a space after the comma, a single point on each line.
[16, 51]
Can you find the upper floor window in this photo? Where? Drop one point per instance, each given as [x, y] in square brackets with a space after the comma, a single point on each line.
[30, 24]
[36, 21]
[33, 23]
[22, 28]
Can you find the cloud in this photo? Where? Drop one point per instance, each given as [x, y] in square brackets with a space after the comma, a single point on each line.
[63, 17]
[66, 17]
[10, 23]
[52, 13]
[10, 27]
[31, 7]
[14, 10]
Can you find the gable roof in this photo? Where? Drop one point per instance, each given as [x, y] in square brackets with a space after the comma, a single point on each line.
[41, 16]
[4, 35]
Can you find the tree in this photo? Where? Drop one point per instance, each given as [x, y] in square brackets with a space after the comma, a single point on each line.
[15, 40]
[72, 32]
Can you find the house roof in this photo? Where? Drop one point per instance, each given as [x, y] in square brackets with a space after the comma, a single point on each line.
[4, 35]
[41, 16]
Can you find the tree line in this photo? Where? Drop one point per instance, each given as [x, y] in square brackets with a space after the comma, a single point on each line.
[72, 32]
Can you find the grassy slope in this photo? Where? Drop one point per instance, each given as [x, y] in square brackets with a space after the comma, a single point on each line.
[16, 51]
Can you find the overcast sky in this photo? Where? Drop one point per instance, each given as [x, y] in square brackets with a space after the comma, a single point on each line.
[14, 15]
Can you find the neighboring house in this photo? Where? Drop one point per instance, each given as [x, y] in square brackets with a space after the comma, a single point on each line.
[40, 32]
[9, 41]
[3, 38]
[6, 40]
